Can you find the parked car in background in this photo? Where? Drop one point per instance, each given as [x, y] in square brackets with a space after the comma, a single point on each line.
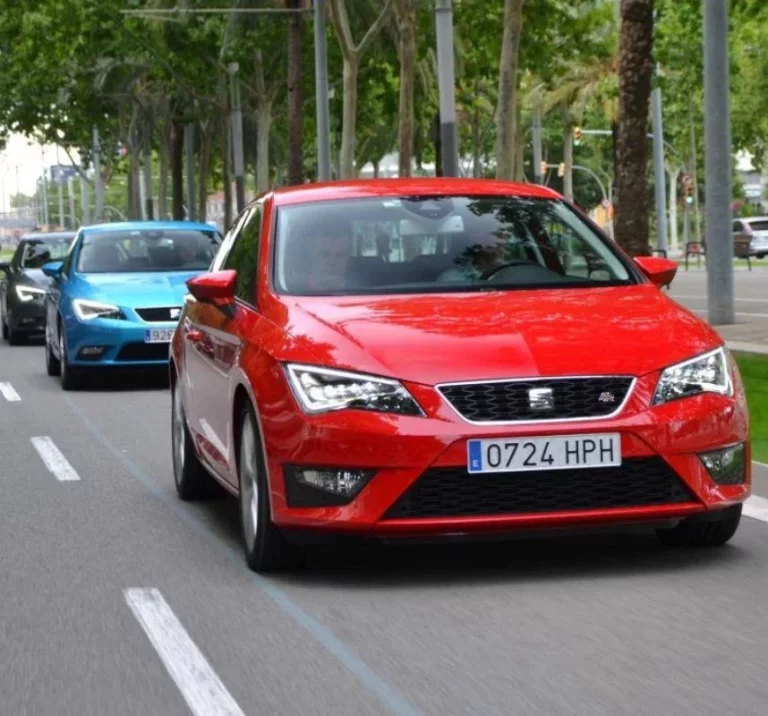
[116, 298]
[443, 358]
[756, 228]
[23, 286]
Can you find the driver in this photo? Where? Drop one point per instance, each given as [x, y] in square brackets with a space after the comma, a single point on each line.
[330, 254]
[477, 259]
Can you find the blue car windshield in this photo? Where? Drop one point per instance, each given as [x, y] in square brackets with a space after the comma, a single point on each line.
[144, 250]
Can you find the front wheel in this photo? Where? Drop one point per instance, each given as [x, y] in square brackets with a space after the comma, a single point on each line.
[694, 532]
[70, 378]
[265, 547]
[52, 363]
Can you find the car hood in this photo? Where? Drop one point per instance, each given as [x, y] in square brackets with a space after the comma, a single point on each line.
[34, 277]
[137, 289]
[430, 339]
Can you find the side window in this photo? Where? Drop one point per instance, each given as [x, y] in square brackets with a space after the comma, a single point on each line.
[244, 255]
[65, 268]
[737, 227]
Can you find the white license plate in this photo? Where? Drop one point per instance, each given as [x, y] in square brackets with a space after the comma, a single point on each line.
[158, 335]
[551, 453]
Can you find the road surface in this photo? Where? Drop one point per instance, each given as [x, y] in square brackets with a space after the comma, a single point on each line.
[119, 599]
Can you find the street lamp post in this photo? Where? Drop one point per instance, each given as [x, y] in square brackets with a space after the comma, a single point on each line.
[446, 88]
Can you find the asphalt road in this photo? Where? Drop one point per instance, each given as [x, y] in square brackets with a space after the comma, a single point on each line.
[601, 625]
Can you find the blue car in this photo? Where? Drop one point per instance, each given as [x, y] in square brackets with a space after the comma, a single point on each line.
[116, 298]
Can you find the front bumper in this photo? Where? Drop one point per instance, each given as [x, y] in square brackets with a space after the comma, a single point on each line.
[123, 343]
[27, 316]
[406, 450]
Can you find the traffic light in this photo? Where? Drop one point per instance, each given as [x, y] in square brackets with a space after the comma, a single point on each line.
[561, 169]
[543, 168]
[577, 135]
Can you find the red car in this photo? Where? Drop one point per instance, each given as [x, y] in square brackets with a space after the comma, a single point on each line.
[439, 357]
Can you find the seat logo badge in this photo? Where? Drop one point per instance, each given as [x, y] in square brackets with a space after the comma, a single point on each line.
[175, 312]
[541, 399]
[607, 398]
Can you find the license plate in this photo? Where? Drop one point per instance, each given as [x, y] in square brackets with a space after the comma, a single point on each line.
[158, 335]
[551, 453]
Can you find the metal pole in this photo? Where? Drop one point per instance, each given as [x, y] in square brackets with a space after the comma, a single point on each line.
[60, 189]
[45, 191]
[71, 194]
[538, 176]
[717, 125]
[658, 165]
[321, 95]
[85, 208]
[189, 150]
[97, 177]
[237, 137]
[446, 87]
[18, 196]
[142, 194]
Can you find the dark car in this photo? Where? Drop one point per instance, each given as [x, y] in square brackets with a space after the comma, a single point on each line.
[23, 284]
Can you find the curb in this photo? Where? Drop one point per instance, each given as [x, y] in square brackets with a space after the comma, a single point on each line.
[741, 347]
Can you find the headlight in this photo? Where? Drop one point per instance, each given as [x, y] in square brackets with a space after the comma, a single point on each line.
[29, 293]
[707, 373]
[320, 390]
[87, 310]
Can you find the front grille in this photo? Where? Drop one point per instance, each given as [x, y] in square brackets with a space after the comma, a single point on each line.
[453, 492]
[144, 351]
[509, 401]
[159, 315]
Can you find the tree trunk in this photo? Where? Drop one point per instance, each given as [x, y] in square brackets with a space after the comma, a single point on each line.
[476, 136]
[375, 163]
[295, 98]
[165, 141]
[204, 166]
[635, 71]
[177, 170]
[349, 119]
[225, 170]
[505, 110]
[405, 13]
[694, 171]
[674, 242]
[568, 160]
[519, 142]
[264, 123]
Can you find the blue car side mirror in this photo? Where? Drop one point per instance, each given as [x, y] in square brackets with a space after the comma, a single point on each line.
[53, 268]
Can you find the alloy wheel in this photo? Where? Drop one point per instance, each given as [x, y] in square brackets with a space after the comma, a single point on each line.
[249, 488]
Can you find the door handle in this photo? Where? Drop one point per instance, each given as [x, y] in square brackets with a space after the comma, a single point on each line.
[194, 336]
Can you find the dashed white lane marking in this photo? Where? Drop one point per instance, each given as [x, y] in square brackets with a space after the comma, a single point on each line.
[54, 459]
[756, 508]
[199, 685]
[9, 392]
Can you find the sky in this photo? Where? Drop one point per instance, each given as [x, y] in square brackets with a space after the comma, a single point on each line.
[28, 157]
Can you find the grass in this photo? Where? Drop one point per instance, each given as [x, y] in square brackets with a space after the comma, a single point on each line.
[6, 254]
[754, 371]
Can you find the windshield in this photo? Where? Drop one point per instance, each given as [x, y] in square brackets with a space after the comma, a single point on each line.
[420, 245]
[37, 252]
[145, 250]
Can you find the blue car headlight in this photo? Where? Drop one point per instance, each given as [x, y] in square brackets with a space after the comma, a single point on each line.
[87, 310]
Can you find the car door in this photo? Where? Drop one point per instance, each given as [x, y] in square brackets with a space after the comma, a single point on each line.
[212, 342]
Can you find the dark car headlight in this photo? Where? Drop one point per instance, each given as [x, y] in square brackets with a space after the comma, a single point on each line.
[321, 390]
[29, 293]
[87, 310]
[708, 373]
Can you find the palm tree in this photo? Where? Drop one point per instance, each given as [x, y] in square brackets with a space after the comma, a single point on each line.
[635, 72]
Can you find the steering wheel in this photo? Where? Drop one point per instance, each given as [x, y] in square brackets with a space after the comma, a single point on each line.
[508, 264]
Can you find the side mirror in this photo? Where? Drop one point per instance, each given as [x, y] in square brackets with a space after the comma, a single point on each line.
[53, 268]
[660, 271]
[5, 266]
[217, 287]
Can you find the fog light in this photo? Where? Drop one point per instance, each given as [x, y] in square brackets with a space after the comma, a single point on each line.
[91, 351]
[346, 483]
[726, 466]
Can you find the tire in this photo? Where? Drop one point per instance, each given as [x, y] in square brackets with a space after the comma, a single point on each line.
[71, 378]
[52, 363]
[266, 549]
[761, 256]
[5, 325]
[14, 338]
[192, 480]
[703, 533]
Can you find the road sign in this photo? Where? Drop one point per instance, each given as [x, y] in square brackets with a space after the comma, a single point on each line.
[62, 172]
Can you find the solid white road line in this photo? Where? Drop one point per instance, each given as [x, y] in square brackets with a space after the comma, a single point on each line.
[738, 313]
[9, 393]
[201, 688]
[704, 298]
[756, 508]
[54, 459]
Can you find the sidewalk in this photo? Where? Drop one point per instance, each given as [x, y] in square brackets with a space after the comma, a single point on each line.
[746, 336]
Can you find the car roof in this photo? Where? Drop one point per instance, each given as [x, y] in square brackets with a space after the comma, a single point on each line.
[49, 235]
[429, 186]
[148, 226]
[750, 219]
